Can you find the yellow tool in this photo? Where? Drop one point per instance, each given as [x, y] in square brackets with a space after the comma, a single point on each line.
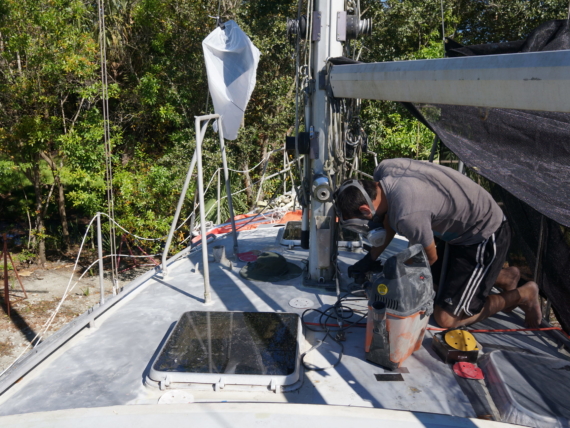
[461, 340]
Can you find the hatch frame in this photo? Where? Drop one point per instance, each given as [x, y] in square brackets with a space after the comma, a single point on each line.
[172, 379]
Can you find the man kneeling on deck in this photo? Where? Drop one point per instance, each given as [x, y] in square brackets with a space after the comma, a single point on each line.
[420, 200]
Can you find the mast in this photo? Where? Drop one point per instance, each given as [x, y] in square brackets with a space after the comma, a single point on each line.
[321, 245]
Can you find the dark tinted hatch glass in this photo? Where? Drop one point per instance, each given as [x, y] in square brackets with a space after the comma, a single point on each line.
[249, 343]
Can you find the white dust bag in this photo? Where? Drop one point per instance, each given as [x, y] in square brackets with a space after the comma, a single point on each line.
[231, 63]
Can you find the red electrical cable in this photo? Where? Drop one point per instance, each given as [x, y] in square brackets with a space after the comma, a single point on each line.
[506, 330]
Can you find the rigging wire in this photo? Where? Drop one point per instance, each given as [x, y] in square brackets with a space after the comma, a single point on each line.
[241, 225]
[38, 336]
[116, 224]
[107, 135]
[297, 69]
[69, 288]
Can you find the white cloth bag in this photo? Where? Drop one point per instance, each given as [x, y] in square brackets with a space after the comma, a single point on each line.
[231, 64]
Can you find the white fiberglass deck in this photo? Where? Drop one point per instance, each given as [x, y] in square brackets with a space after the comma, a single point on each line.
[107, 365]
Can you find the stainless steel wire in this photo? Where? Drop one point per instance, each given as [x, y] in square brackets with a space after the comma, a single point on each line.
[107, 134]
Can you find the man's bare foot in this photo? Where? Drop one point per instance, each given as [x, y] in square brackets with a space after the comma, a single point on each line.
[529, 304]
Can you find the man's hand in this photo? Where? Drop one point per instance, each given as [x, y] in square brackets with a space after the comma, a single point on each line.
[359, 270]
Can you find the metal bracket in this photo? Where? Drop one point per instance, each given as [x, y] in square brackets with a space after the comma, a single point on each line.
[310, 88]
[314, 145]
[341, 26]
[323, 230]
[163, 384]
[219, 385]
[322, 79]
[316, 36]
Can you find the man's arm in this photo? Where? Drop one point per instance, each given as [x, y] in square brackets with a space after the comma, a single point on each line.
[390, 233]
[417, 228]
[431, 253]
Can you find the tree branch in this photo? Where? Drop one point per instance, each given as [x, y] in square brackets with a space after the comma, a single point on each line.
[77, 114]
[62, 102]
[49, 160]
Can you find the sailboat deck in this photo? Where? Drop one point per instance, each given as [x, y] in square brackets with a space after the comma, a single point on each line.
[108, 364]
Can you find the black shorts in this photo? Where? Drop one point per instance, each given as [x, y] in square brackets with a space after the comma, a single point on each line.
[471, 273]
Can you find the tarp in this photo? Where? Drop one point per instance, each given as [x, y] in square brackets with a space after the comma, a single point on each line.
[231, 63]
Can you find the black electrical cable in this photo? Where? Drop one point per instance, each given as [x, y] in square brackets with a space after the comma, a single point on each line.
[319, 343]
[339, 311]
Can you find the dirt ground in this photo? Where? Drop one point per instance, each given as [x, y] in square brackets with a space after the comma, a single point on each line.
[45, 288]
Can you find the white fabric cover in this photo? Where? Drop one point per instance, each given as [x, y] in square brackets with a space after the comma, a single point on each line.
[231, 63]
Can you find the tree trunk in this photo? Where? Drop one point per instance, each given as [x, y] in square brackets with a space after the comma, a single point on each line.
[62, 213]
[60, 198]
[40, 227]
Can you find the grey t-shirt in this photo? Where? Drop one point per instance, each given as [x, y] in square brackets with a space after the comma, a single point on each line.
[425, 199]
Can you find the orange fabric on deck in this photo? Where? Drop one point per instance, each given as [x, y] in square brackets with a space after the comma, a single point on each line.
[290, 216]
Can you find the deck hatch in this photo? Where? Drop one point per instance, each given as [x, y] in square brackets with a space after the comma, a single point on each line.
[241, 348]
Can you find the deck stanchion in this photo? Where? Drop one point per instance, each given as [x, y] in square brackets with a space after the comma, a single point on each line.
[204, 237]
[219, 217]
[100, 256]
[197, 160]
[177, 213]
[228, 187]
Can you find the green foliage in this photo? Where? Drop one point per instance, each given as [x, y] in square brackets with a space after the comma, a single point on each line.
[51, 125]
[393, 132]
[48, 61]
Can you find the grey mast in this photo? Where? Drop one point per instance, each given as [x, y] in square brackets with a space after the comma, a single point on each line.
[322, 224]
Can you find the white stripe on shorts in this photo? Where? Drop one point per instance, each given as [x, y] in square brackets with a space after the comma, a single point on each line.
[476, 277]
[468, 303]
